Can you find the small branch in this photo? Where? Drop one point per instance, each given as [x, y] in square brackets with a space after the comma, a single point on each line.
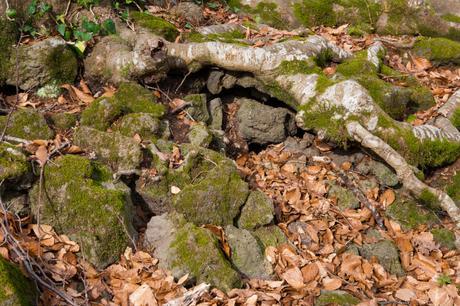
[183, 80]
[16, 140]
[191, 297]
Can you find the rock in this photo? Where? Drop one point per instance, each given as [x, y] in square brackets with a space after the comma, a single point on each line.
[27, 124]
[345, 198]
[216, 199]
[8, 36]
[82, 202]
[438, 50]
[262, 124]
[189, 11]
[156, 25]
[121, 153]
[258, 211]
[16, 289]
[63, 121]
[214, 82]
[387, 255]
[15, 170]
[300, 229]
[247, 255]
[42, 63]
[296, 145]
[217, 114]
[137, 99]
[270, 235]
[410, 215]
[101, 113]
[145, 125]
[198, 109]
[183, 248]
[17, 203]
[336, 297]
[383, 173]
[199, 135]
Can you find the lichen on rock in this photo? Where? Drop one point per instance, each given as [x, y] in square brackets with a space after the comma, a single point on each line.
[27, 124]
[258, 211]
[387, 255]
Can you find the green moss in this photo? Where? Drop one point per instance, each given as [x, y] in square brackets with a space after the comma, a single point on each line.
[280, 93]
[296, 66]
[409, 215]
[145, 125]
[62, 64]
[232, 37]
[155, 24]
[453, 190]
[136, 99]
[357, 66]
[257, 211]
[315, 12]
[451, 18]
[80, 202]
[27, 124]
[455, 119]
[13, 164]
[8, 37]
[269, 236]
[444, 237]
[429, 199]
[438, 50]
[101, 113]
[16, 289]
[336, 297]
[63, 121]
[267, 13]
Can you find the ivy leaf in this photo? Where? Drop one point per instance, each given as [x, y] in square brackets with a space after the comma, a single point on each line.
[90, 26]
[109, 26]
[32, 8]
[11, 13]
[83, 36]
[80, 46]
[61, 29]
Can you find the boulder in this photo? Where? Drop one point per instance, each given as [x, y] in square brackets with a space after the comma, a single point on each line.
[135, 98]
[145, 125]
[384, 175]
[15, 170]
[258, 211]
[386, 253]
[216, 111]
[101, 113]
[262, 124]
[182, 248]
[63, 121]
[123, 154]
[189, 11]
[46, 61]
[336, 297]
[345, 198]
[270, 235]
[82, 202]
[199, 135]
[246, 253]
[27, 124]
[16, 289]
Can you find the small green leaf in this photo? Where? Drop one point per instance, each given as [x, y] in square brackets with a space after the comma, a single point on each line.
[90, 26]
[32, 8]
[188, 25]
[83, 36]
[61, 29]
[45, 8]
[109, 26]
[11, 13]
[80, 46]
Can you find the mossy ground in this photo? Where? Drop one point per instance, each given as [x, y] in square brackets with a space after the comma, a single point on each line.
[456, 118]
[341, 298]
[155, 24]
[263, 12]
[409, 214]
[438, 50]
[444, 237]
[136, 99]
[13, 164]
[15, 289]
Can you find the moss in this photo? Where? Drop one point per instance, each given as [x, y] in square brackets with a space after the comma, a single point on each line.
[81, 203]
[276, 91]
[62, 64]
[101, 113]
[198, 251]
[429, 199]
[145, 125]
[453, 189]
[357, 66]
[409, 215]
[257, 211]
[315, 12]
[8, 37]
[16, 289]
[444, 237]
[438, 50]
[269, 236]
[336, 297]
[155, 24]
[451, 18]
[297, 66]
[27, 124]
[13, 164]
[63, 121]
[455, 119]
[232, 37]
[267, 13]
[136, 99]
[199, 109]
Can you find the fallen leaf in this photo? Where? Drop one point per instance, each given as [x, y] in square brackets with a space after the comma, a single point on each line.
[294, 278]
[309, 272]
[42, 155]
[143, 296]
[387, 198]
[405, 294]
[175, 190]
[332, 283]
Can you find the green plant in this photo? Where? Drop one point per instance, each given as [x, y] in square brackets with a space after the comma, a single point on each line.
[443, 280]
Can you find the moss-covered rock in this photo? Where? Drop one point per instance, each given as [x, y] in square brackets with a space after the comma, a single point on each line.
[345, 198]
[136, 99]
[27, 124]
[185, 248]
[15, 170]
[198, 109]
[409, 214]
[455, 119]
[453, 189]
[199, 135]
[387, 255]
[145, 125]
[270, 235]
[121, 153]
[8, 37]
[438, 50]
[216, 199]
[444, 237]
[383, 173]
[82, 202]
[155, 24]
[101, 113]
[63, 121]
[258, 211]
[16, 289]
[336, 297]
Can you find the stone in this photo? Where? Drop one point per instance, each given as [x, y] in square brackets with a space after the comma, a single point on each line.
[383, 173]
[135, 98]
[345, 197]
[258, 211]
[336, 297]
[438, 50]
[15, 170]
[410, 215]
[199, 135]
[216, 199]
[247, 255]
[83, 202]
[17, 203]
[182, 248]
[145, 125]
[270, 235]
[189, 11]
[198, 109]
[262, 124]
[101, 113]
[16, 289]
[387, 255]
[300, 229]
[121, 153]
[63, 121]
[216, 111]
[214, 84]
[43, 62]
[27, 124]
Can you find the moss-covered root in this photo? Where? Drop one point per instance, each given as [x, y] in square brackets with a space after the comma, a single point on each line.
[403, 170]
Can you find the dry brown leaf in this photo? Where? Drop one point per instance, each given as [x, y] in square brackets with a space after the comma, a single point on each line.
[405, 294]
[294, 278]
[421, 63]
[42, 155]
[332, 283]
[387, 198]
[143, 296]
[310, 272]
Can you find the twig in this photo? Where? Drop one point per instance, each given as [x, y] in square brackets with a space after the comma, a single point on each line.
[67, 8]
[180, 107]
[191, 297]
[183, 80]
[16, 139]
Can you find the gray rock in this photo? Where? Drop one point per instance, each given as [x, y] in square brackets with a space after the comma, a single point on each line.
[258, 211]
[183, 248]
[121, 153]
[296, 145]
[247, 255]
[44, 62]
[198, 109]
[217, 114]
[386, 253]
[27, 124]
[345, 198]
[83, 202]
[189, 11]
[270, 235]
[145, 125]
[383, 173]
[262, 124]
[199, 135]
